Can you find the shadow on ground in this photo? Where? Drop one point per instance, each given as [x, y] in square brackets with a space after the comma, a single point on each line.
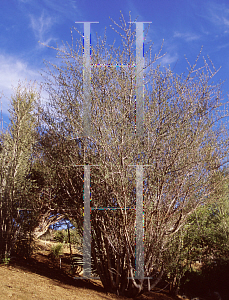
[41, 265]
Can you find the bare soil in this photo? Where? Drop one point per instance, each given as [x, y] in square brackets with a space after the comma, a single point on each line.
[41, 278]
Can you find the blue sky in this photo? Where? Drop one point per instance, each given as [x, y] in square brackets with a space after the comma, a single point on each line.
[184, 25]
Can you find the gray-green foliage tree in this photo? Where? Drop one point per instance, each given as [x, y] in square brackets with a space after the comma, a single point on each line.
[16, 158]
[203, 239]
[207, 232]
[179, 143]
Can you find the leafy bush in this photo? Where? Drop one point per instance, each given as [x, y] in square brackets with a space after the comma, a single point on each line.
[75, 238]
[56, 250]
[6, 260]
[59, 236]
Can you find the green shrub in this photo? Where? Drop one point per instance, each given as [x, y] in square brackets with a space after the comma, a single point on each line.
[56, 250]
[75, 238]
[59, 236]
[6, 260]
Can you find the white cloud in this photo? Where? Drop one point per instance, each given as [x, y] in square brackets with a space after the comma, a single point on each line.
[188, 37]
[225, 21]
[63, 9]
[41, 26]
[218, 14]
[12, 70]
[168, 59]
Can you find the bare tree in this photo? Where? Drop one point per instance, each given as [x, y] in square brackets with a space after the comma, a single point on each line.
[181, 146]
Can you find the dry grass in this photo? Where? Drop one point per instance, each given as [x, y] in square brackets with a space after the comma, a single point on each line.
[40, 278]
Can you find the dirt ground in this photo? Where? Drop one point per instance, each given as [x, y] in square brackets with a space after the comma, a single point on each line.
[41, 278]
